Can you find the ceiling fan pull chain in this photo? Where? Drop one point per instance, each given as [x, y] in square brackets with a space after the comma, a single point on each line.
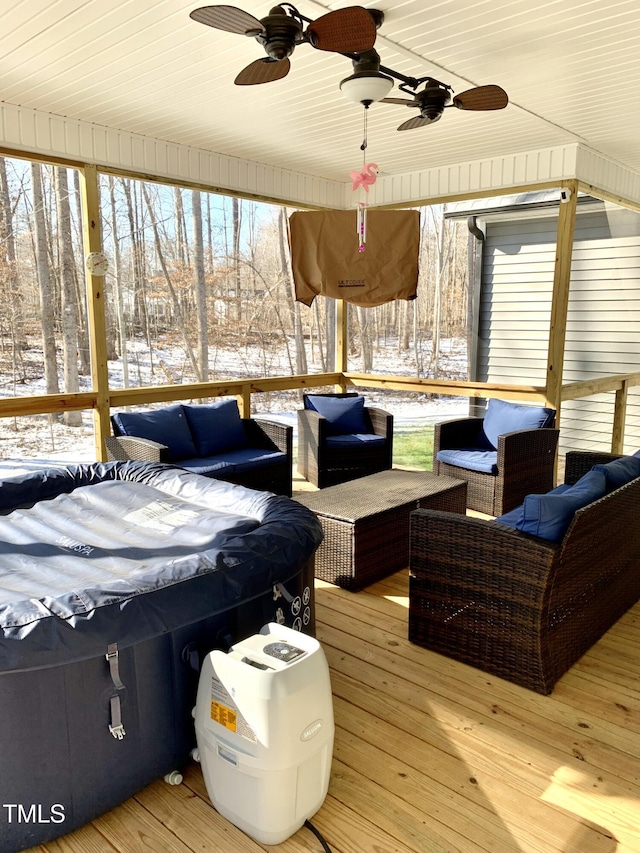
[362, 208]
[363, 147]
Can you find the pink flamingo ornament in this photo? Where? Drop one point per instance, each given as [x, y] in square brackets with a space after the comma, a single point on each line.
[365, 177]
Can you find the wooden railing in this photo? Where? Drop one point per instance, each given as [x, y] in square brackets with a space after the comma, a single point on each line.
[620, 384]
[243, 389]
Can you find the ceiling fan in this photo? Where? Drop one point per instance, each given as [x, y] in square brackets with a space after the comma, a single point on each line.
[350, 30]
[436, 96]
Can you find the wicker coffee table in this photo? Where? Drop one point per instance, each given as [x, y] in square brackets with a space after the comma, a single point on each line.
[366, 522]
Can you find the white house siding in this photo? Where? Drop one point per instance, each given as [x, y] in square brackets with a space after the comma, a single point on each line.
[603, 323]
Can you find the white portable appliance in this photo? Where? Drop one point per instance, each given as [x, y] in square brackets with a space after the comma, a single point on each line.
[264, 727]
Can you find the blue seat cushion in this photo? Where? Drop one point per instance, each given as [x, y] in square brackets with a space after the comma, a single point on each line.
[167, 426]
[344, 414]
[549, 516]
[233, 461]
[473, 459]
[355, 440]
[207, 466]
[247, 458]
[619, 472]
[503, 417]
[216, 427]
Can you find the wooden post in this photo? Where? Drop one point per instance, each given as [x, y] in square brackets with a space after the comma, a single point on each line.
[619, 417]
[244, 402]
[342, 332]
[560, 298]
[96, 308]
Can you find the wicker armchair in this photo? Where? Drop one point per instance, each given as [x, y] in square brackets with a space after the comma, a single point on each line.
[523, 459]
[326, 459]
[518, 606]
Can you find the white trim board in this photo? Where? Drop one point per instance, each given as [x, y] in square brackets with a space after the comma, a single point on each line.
[46, 134]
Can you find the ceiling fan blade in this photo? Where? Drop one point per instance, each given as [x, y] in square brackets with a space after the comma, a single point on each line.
[263, 71]
[403, 101]
[227, 18]
[418, 121]
[350, 30]
[482, 98]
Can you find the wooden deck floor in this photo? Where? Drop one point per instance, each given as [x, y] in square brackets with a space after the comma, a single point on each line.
[431, 755]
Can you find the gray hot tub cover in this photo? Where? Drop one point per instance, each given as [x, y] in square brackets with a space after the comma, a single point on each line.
[99, 553]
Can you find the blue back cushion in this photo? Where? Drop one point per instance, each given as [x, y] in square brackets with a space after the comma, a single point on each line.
[216, 427]
[167, 426]
[503, 416]
[549, 516]
[344, 414]
[619, 472]
[514, 516]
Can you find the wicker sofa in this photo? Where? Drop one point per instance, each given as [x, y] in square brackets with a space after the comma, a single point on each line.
[212, 440]
[517, 605]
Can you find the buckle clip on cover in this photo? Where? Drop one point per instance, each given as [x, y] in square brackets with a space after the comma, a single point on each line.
[115, 726]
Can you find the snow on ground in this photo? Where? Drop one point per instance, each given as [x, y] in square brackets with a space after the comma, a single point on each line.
[33, 440]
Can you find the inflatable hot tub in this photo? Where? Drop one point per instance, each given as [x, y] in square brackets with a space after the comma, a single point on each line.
[116, 579]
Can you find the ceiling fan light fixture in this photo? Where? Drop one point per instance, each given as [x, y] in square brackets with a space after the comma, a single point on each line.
[365, 87]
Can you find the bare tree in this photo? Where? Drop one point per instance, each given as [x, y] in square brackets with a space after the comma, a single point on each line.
[136, 235]
[9, 276]
[69, 302]
[237, 224]
[441, 260]
[47, 302]
[182, 246]
[80, 286]
[117, 284]
[301, 354]
[366, 346]
[199, 287]
[167, 277]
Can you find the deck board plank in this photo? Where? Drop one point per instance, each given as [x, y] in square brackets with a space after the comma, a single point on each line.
[433, 756]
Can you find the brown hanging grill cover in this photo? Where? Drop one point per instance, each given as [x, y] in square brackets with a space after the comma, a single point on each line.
[325, 257]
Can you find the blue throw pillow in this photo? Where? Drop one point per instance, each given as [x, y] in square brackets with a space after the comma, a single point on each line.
[514, 516]
[344, 415]
[619, 472]
[167, 426]
[503, 416]
[216, 427]
[549, 516]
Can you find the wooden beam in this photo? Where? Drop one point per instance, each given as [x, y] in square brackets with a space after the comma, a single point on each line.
[244, 401]
[560, 299]
[200, 390]
[96, 308]
[284, 383]
[468, 195]
[454, 388]
[342, 337]
[589, 387]
[11, 407]
[35, 157]
[605, 195]
[619, 417]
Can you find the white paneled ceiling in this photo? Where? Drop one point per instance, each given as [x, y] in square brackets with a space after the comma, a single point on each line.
[571, 69]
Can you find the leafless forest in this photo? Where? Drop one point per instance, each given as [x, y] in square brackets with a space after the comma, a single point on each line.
[199, 288]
